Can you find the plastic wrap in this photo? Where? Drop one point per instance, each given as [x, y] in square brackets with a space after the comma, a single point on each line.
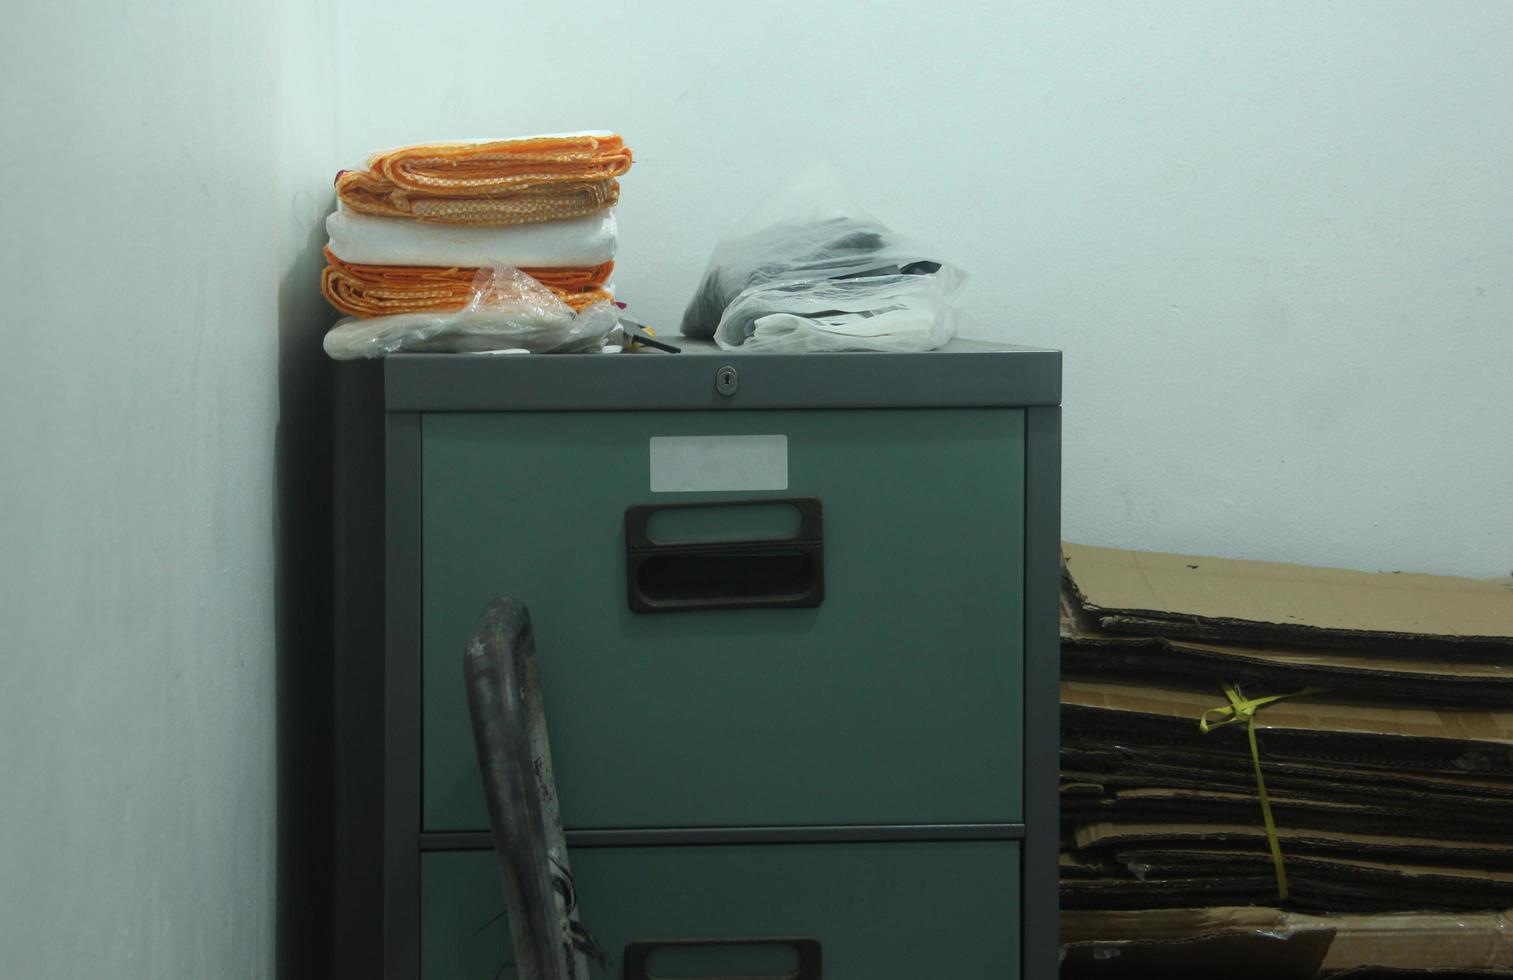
[367, 239]
[811, 272]
[873, 313]
[508, 311]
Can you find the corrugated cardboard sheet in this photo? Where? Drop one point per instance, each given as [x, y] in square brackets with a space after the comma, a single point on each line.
[1295, 955]
[1452, 676]
[1321, 726]
[1469, 941]
[1135, 838]
[1185, 595]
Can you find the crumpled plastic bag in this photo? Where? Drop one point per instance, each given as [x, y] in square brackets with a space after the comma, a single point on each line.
[508, 311]
[871, 313]
[808, 271]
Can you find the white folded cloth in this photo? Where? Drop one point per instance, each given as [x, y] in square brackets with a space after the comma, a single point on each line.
[373, 240]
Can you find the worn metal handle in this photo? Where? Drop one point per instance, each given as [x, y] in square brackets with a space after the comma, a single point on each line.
[509, 731]
[638, 955]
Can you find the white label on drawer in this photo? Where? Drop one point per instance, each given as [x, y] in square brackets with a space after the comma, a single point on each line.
[686, 463]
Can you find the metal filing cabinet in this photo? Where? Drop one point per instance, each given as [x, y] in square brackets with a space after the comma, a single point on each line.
[796, 621]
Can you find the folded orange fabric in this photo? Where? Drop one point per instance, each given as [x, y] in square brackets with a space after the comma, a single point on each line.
[362, 191]
[540, 178]
[379, 290]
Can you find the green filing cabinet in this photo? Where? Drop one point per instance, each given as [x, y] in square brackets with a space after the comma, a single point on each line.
[796, 621]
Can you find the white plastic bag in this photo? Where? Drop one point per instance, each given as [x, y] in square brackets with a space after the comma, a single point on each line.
[872, 313]
[809, 271]
[508, 311]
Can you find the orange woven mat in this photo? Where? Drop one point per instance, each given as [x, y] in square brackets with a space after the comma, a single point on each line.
[379, 290]
[494, 182]
[361, 191]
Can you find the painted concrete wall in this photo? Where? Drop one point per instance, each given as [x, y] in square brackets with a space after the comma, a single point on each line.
[1274, 239]
[163, 164]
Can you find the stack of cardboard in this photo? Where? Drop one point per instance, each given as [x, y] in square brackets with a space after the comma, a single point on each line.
[1278, 945]
[1388, 763]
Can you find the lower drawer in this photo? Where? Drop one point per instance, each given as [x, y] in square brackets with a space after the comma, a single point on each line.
[878, 911]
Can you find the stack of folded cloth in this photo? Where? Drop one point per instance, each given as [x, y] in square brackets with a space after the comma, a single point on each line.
[414, 228]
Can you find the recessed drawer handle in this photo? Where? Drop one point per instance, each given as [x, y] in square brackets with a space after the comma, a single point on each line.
[639, 954]
[783, 571]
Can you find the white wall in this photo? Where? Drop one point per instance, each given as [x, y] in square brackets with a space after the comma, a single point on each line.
[1274, 239]
[159, 163]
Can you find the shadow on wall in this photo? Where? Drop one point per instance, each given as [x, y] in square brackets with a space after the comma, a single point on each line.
[303, 599]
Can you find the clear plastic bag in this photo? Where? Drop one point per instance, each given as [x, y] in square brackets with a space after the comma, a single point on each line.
[872, 313]
[509, 311]
[808, 271]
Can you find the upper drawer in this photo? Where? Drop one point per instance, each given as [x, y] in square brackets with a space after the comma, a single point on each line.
[897, 700]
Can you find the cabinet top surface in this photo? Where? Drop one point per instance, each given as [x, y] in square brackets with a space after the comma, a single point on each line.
[963, 373]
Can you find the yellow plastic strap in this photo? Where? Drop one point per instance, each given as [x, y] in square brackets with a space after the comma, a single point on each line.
[1244, 709]
[634, 343]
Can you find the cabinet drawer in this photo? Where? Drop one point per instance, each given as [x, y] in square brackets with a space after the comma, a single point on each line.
[897, 700]
[878, 911]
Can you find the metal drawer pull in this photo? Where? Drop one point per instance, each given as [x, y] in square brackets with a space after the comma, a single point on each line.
[780, 572]
[638, 957]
